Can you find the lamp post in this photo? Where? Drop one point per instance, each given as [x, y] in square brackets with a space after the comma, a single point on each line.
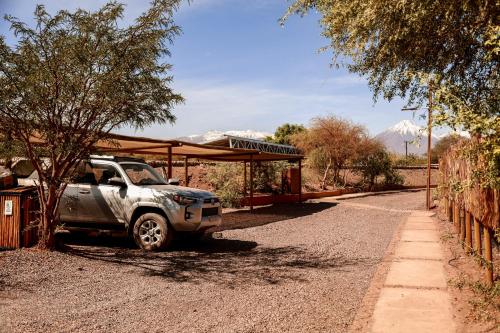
[406, 150]
[429, 145]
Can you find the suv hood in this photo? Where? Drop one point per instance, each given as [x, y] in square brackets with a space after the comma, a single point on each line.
[184, 191]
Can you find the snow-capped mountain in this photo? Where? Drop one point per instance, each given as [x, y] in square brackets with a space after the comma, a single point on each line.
[216, 135]
[394, 138]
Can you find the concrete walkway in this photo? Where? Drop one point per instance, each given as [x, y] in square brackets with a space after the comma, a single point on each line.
[414, 297]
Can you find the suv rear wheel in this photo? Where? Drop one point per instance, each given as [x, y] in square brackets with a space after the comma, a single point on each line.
[152, 232]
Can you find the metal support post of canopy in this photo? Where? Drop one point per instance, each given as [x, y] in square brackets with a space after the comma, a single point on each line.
[300, 180]
[245, 178]
[169, 152]
[251, 183]
[186, 174]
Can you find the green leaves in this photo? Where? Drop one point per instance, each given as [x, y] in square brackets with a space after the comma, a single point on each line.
[284, 133]
[401, 46]
[73, 77]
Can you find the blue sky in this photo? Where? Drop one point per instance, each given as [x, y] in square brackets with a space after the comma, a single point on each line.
[239, 69]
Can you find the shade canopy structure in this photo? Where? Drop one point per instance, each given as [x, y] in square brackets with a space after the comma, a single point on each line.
[231, 141]
[217, 152]
[227, 149]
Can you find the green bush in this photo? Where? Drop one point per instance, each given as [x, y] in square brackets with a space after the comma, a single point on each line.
[411, 160]
[227, 180]
[377, 162]
[268, 175]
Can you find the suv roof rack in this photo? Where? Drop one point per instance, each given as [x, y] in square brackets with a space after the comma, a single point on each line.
[102, 157]
[117, 158]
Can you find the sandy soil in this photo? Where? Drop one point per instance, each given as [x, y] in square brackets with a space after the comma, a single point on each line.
[289, 268]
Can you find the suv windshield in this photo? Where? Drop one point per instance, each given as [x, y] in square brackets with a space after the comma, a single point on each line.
[142, 174]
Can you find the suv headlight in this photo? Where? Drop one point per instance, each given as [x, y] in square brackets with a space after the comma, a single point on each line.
[184, 201]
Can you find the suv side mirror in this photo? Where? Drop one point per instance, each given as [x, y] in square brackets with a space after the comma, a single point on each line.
[173, 181]
[117, 181]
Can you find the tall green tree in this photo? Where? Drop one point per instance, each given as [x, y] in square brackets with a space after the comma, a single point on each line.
[449, 49]
[284, 133]
[72, 78]
[394, 42]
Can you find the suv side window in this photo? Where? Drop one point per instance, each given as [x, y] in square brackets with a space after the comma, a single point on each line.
[94, 174]
[83, 174]
[104, 172]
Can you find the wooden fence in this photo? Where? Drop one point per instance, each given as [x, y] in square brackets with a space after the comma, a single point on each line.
[474, 210]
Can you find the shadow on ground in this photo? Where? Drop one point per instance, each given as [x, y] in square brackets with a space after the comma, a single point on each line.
[228, 261]
[241, 219]
[219, 260]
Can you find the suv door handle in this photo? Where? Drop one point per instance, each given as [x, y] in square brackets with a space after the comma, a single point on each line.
[84, 191]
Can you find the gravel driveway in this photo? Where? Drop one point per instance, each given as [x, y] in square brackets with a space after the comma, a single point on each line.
[293, 268]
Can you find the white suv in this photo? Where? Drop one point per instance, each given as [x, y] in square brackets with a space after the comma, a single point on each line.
[112, 193]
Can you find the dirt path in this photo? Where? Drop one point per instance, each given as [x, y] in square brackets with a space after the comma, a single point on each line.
[299, 268]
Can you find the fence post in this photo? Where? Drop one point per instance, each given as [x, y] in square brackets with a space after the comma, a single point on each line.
[462, 225]
[450, 211]
[468, 235]
[446, 206]
[477, 237]
[456, 217]
[488, 256]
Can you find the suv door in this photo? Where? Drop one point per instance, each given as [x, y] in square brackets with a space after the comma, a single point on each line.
[99, 202]
[68, 207]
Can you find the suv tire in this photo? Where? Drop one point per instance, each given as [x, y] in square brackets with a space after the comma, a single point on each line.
[152, 232]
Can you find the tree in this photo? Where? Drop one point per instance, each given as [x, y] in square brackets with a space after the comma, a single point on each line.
[283, 134]
[329, 143]
[72, 79]
[446, 48]
[373, 160]
[393, 43]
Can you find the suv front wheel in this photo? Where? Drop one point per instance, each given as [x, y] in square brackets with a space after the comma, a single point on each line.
[152, 232]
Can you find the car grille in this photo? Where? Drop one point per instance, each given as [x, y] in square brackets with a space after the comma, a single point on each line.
[215, 200]
[210, 211]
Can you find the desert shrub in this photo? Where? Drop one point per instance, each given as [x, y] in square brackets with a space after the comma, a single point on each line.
[227, 180]
[267, 175]
[393, 177]
[411, 160]
[375, 161]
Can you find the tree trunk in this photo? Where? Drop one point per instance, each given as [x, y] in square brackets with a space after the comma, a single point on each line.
[372, 182]
[47, 233]
[336, 173]
[49, 202]
[325, 175]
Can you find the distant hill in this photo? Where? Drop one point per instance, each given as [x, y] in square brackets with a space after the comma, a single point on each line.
[215, 135]
[394, 138]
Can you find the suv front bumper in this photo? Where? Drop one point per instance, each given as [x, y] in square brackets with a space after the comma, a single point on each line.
[192, 219]
[210, 221]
